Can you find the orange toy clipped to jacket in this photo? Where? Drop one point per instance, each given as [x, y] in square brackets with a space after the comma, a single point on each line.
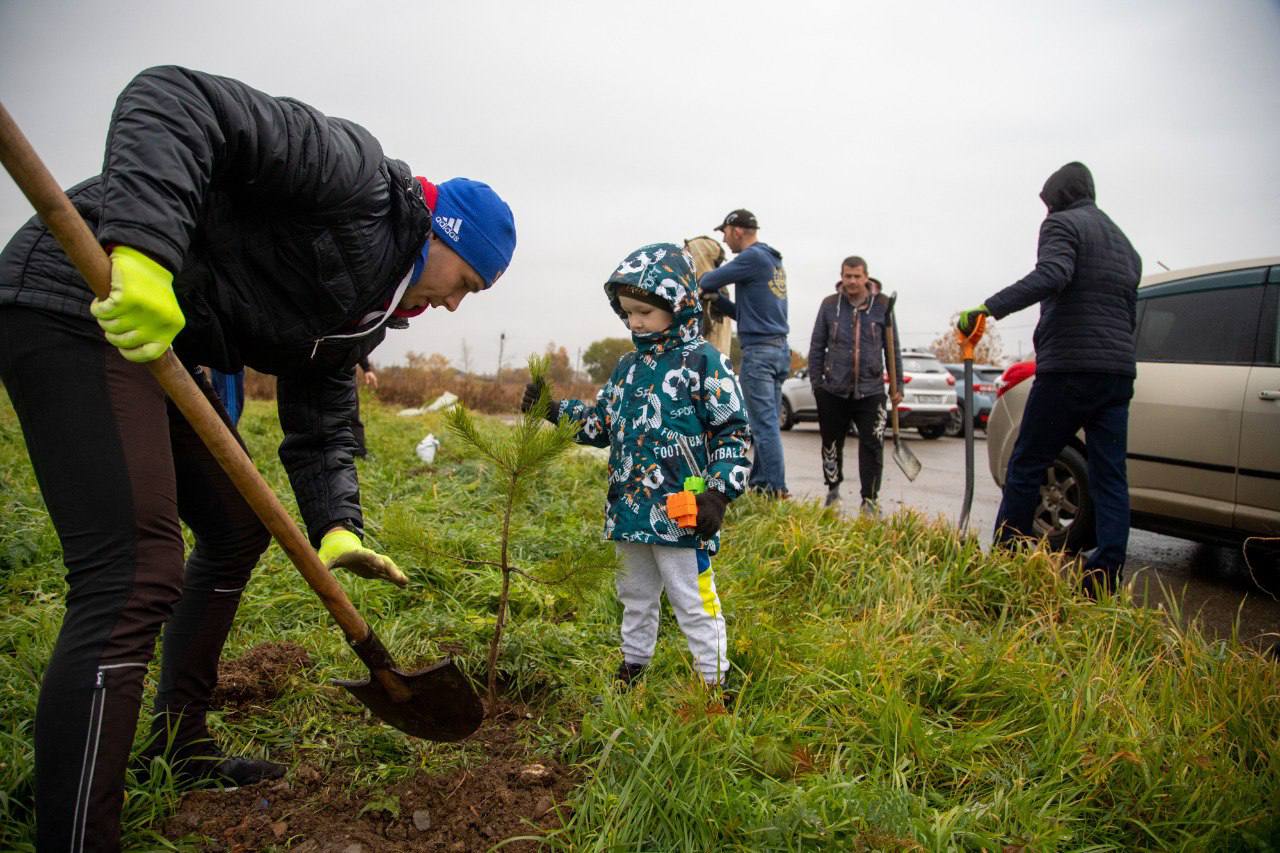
[682, 507]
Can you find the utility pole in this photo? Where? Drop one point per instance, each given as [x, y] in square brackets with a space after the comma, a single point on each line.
[502, 342]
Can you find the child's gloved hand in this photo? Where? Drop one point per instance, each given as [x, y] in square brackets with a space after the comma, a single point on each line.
[340, 548]
[532, 391]
[711, 507]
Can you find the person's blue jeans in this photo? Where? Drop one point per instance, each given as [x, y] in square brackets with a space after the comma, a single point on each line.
[765, 364]
[1060, 404]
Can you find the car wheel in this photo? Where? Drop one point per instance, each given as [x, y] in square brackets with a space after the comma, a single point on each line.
[786, 417]
[955, 424]
[933, 431]
[1065, 513]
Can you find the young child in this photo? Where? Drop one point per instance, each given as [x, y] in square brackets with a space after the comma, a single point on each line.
[673, 385]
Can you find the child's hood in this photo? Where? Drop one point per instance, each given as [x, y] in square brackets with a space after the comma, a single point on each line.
[666, 270]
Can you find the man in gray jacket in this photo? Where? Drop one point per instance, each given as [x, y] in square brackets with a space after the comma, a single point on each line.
[847, 354]
[1086, 281]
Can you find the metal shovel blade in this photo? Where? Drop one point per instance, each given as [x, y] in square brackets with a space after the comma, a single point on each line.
[441, 705]
[905, 459]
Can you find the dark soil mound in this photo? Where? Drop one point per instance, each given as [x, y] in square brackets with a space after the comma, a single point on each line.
[512, 794]
[258, 676]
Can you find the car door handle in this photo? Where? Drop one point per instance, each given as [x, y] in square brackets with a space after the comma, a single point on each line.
[1269, 395]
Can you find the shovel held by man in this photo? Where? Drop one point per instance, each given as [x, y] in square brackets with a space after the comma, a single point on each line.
[436, 703]
[902, 455]
[968, 343]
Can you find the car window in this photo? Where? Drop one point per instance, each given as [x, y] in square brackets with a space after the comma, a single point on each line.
[989, 375]
[1269, 329]
[1201, 327]
[922, 365]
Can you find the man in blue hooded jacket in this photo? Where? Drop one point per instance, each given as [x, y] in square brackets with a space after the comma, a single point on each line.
[762, 330]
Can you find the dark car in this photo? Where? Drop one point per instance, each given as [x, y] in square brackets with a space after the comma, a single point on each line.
[928, 394]
[984, 396]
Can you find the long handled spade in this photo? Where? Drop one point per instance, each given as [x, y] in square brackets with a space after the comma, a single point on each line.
[902, 455]
[436, 703]
[969, 342]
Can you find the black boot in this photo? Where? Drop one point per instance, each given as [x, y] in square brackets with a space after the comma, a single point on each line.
[628, 673]
[1100, 580]
[726, 691]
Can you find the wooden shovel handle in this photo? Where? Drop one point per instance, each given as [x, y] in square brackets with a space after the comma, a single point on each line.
[891, 362]
[82, 247]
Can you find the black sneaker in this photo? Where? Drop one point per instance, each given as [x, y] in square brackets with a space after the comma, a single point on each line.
[628, 673]
[229, 772]
[236, 772]
[833, 496]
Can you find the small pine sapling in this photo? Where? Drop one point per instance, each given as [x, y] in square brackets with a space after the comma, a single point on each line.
[519, 456]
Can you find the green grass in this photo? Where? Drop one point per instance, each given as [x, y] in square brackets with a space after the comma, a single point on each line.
[901, 689]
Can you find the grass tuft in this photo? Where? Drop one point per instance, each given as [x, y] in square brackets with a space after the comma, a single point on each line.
[900, 689]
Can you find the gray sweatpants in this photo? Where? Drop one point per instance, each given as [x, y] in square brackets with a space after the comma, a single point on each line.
[686, 575]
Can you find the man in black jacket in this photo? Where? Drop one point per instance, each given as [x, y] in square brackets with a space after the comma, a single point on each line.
[848, 352]
[245, 230]
[1086, 281]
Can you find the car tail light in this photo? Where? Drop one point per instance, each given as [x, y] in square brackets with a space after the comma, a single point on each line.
[951, 380]
[984, 387]
[1013, 374]
[984, 417]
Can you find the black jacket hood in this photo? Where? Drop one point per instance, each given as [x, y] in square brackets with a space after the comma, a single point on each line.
[1070, 184]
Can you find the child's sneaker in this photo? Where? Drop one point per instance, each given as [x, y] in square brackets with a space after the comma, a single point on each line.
[726, 692]
[628, 673]
[870, 507]
[833, 496]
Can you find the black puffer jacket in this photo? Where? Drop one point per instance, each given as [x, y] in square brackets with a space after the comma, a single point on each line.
[1086, 281]
[283, 227]
[848, 348]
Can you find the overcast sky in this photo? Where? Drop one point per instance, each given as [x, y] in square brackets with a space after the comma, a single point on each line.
[914, 134]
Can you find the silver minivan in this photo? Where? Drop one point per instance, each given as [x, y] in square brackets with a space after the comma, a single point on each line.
[1204, 424]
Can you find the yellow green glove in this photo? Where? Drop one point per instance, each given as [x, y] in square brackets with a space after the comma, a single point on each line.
[969, 316]
[141, 315]
[342, 549]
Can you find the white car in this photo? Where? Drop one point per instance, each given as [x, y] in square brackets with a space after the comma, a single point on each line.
[1204, 423]
[928, 399]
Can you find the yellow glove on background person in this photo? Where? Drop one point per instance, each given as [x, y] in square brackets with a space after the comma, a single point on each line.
[342, 549]
[141, 315]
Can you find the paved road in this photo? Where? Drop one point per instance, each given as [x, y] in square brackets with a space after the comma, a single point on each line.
[1211, 583]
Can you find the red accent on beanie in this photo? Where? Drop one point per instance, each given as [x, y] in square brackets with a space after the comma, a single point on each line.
[429, 195]
[429, 192]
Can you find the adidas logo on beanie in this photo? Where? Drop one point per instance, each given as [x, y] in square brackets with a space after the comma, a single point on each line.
[477, 224]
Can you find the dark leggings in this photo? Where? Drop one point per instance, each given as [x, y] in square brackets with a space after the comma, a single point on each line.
[118, 467]
[835, 413]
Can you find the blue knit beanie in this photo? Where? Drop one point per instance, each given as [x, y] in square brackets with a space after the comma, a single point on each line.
[473, 221]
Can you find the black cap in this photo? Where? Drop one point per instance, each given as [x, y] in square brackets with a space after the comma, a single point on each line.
[741, 217]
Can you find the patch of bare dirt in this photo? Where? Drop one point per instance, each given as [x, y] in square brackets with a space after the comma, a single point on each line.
[258, 676]
[514, 793]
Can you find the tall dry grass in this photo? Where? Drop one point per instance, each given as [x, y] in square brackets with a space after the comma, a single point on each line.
[417, 384]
